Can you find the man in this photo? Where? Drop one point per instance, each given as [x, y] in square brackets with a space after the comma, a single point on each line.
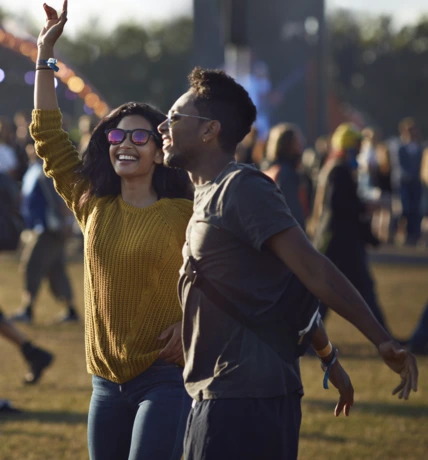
[410, 159]
[44, 256]
[246, 243]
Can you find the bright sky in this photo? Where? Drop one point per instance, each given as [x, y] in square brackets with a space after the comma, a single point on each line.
[112, 12]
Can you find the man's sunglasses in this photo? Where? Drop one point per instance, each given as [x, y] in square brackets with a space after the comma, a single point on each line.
[173, 117]
[116, 136]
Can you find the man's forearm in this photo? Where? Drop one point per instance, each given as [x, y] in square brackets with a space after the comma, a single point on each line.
[334, 289]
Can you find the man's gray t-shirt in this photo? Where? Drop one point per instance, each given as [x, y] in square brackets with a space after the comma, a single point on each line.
[233, 217]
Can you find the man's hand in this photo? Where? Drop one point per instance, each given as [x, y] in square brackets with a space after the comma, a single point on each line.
[340, 379]
[173, 351]
[403, 363]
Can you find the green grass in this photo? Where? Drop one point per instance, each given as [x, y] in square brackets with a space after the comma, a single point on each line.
[380, 426]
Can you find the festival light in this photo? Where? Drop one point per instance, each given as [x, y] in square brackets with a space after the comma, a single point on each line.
[30, 77]
[76, 86]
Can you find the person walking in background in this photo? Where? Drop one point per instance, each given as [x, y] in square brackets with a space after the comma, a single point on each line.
[284, 153]
[37, 358]
[367, 164]
[8, 158]
[381, 180]
[424, 194]
[133, 213]
[410, 158]
[44, 254]
[341, 223]
[418, 343]
[246, 244]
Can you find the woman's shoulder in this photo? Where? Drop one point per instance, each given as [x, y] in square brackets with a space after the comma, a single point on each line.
[177, 210]
[182, 205]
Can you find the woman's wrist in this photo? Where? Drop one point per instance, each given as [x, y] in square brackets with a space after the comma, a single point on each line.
[45, 52]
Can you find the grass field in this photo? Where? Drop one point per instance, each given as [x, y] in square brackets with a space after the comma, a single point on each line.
[380, 426]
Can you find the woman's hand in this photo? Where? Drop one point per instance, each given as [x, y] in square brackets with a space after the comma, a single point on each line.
[173, 351]
[53, 27]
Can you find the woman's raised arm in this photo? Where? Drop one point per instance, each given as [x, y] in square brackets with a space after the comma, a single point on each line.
[44, 89]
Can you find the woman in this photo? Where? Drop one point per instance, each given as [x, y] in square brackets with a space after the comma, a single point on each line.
[341, 226]
[133, 213]
[284, 153]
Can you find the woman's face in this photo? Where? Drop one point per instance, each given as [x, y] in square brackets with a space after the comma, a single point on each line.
[135, 161]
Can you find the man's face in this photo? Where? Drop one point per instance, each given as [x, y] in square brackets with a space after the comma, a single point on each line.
[182, 139]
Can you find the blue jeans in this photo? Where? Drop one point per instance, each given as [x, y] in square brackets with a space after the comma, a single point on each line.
[144, 418]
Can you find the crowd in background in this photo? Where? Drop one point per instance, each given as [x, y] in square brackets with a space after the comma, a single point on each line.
[381, 196]
[392, 174]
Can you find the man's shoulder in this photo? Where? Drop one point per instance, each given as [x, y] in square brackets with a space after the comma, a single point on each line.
[242, 173]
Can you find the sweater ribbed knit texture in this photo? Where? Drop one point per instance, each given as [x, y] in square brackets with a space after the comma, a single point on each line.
[132, 257]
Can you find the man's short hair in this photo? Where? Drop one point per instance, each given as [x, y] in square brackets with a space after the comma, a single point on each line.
[221, 98]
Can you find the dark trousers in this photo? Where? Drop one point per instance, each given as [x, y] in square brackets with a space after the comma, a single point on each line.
[248, 428]
[354, 265]
[44, 257]
[419, 340]
[410, 201]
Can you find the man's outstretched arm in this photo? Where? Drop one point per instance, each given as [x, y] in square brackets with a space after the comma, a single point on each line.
[327, 283]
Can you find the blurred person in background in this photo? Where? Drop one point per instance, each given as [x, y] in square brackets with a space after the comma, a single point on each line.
[424, 194]
[367, 164]
[133, 213]
[22, 138]
[410, 158]
[418, 343]
[37, 358]
[341, 225]
[284, 153]
[381, 180]
[44, 253]
[8, 158]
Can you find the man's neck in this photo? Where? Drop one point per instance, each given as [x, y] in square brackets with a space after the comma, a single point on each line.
[210, 168]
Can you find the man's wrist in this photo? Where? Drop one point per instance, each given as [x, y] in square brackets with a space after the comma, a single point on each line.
[328, 358]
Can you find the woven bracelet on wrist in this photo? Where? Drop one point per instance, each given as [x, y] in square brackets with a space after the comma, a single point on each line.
[326, 368]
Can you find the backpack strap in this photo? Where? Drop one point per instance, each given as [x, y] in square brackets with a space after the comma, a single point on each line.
[272, 334]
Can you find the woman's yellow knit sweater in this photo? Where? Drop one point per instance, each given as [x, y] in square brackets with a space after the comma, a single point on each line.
[132, 259]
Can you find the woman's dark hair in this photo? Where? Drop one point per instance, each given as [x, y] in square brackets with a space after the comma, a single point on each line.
[279, 143]
[220, 97]
[97, 167]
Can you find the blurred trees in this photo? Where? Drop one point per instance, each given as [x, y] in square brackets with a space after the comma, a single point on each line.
[134, 63]
[380, 71]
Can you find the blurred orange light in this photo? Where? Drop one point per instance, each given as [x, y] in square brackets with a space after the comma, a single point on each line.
[26, 49]
[101, 109]
[91, 100]
[2, 35]
[76, 84]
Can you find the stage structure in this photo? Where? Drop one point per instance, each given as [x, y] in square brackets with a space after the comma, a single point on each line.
[286, 36]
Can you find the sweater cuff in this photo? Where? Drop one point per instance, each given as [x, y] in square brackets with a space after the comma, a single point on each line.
[45, 120]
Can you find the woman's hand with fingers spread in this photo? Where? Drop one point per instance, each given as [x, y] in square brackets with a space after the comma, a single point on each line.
[54, 26]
